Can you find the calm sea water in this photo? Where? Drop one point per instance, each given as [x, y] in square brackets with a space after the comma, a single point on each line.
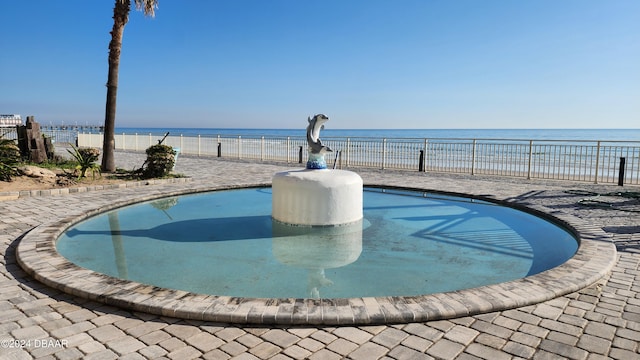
[520, 134]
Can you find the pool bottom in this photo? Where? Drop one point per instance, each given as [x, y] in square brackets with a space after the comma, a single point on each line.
[36, 254]
[225, 243]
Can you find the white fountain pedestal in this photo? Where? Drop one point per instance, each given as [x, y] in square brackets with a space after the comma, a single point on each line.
[317, 197]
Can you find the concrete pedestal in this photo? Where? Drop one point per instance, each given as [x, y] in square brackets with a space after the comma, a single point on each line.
[317, 197]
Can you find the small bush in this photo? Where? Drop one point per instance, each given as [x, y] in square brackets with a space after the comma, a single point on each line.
[9, 158]
[160, 161]
[87, 160]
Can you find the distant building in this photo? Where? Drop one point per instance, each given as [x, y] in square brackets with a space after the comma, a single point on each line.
[10, 120]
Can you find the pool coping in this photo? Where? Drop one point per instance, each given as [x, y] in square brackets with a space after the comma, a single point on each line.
[37, 255]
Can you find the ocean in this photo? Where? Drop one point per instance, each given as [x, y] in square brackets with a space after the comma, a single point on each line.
[577, 154]
[514, 134]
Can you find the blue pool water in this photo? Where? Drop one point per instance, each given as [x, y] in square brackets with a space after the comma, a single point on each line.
[225, 243]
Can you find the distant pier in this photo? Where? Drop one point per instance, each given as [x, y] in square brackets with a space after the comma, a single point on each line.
[93, 129]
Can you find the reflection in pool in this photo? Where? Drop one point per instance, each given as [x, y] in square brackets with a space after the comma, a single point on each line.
[225, 243]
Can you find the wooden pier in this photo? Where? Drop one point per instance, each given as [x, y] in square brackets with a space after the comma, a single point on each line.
[77, 128]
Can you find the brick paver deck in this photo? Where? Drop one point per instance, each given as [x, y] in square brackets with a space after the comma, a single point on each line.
[597, 322]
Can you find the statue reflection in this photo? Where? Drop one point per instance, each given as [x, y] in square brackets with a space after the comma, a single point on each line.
[317, 249]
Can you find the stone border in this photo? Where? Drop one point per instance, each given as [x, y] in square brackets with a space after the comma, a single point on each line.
[37, 255]
[14, 195]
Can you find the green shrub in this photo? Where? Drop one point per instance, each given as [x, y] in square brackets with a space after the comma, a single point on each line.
[160, 161]
[9, 157]
[87, 160]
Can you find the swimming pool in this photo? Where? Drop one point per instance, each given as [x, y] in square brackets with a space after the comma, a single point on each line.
[225, 243]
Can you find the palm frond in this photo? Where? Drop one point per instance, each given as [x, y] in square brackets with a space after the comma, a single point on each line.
[147, 6]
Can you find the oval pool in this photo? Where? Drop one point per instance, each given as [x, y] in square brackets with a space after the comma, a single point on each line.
[225, 243]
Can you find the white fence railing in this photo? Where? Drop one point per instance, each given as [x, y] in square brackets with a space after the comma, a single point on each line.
[57, 135]
[591, 161]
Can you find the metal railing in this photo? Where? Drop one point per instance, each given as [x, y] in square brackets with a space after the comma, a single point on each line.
[584, 160]
[56, 135]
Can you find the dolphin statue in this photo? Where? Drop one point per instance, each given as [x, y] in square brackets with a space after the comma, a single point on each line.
[313, 134]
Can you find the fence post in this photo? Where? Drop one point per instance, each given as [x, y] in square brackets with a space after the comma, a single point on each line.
[530, 158]
[262, 148]
[199, 144]
[621, 172]
[135, 138]
[384, 153]
[426, 143]
[346, 161]
[421, 161]
[288, 149]
[219, 148]
[473, 158]
[239, 146]
[300, 155]
[597, 161]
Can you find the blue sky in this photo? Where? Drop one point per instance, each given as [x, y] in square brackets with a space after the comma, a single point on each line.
[366, 64]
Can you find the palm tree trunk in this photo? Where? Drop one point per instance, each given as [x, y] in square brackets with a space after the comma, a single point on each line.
[120, 18]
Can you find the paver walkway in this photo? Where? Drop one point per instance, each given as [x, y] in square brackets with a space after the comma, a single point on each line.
[599, 322]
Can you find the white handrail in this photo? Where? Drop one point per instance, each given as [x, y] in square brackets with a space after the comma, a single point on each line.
[579, 160]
